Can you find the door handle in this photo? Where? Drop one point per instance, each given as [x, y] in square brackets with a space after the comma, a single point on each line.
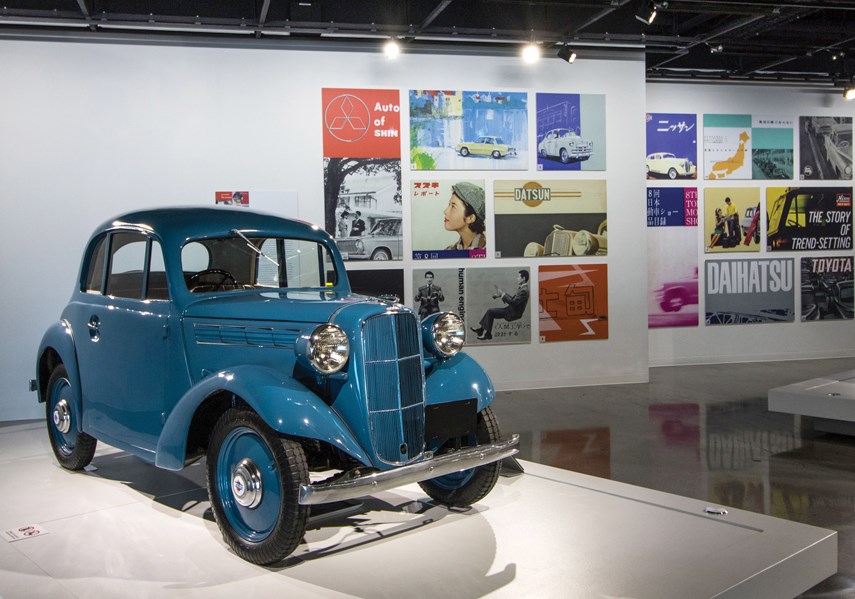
[94, 325]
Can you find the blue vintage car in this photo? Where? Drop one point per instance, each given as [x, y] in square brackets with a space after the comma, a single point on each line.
[232, 335]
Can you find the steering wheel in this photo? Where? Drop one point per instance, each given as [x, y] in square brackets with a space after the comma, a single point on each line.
[211, 279]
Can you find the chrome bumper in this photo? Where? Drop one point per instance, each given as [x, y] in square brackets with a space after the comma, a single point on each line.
[351, 488]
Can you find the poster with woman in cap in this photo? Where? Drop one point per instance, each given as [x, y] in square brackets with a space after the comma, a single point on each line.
[449, 219]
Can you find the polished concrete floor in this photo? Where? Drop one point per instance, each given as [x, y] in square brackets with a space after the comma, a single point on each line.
[703, 432]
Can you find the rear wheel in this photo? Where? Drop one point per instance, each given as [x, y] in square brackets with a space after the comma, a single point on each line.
[72, 447]
[462, 489]
[381, 254]
[254, 479]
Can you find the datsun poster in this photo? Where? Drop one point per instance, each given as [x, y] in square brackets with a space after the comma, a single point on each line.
[571, 132]
[731, 219]
[672, 146]
[672, 277]
[550, 218]
[826, 288]
[809, 218]
[825, 148]
[468, 130]
[574, 302]
[437, 226]
[742, 146]
[672, 206]
[749, 291]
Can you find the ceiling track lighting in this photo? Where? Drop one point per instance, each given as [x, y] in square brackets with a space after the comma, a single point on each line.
[567, 54]
[391, 49]
[849, 92]
[531, 53]
[647, 12]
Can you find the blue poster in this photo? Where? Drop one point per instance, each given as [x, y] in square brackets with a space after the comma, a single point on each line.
[672, 206]
[571, 132]
[672, 146]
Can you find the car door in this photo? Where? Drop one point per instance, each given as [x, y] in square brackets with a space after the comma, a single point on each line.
[125, 343]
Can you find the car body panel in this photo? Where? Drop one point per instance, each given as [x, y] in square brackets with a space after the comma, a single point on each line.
[665, 163]
[486, 145]
[565, 144]
[383, 242]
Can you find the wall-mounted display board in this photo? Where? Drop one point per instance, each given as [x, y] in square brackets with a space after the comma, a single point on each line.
[749, 291]
[440, 221]
[571, 132]
[574, 302]
[742, 146]
[468, 130]
[731, 219]
[672, 146]
[825, 147]
[826, 288]
[809, 218]
[550, 218]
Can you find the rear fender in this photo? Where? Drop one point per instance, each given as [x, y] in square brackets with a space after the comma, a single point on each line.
[60, 339]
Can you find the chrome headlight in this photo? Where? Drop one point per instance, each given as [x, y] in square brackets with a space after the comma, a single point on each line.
[444, 334]
[325, 349]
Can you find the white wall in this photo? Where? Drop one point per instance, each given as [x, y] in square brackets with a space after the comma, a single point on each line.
[758, 342]
[91, 130]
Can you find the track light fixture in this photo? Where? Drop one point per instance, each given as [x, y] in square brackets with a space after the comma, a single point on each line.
[567, 54]
[647, 12]
[391, 49]
[531, 53]
[849, 92]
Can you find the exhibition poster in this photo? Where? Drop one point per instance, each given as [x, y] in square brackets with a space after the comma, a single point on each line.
[742, 146]
[749, 291]
[468, 130]
[571, 132]
[672, 277]
[550, 218]
[362, 172]
[732, 219]
[441, 226]
[672, 146]
[672, 206]
[497, 306]
[574, 302]
[826, 288]
[385, 283]
[825, 147]
[231, 198]
[438, 290]
[809, 218]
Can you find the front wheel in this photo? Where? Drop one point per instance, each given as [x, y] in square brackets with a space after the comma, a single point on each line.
[254, 479]
[464, 152]
[72, 447]
[462, 489]
[496, 154]
[564, 155]
[672, 173]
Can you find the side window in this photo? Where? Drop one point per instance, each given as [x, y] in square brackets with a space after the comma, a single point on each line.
[127, 265]
[268, 271]
[156, 289]
[307, 264]
[95, 270]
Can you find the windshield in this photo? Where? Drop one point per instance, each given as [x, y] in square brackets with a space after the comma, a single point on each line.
[248, 261]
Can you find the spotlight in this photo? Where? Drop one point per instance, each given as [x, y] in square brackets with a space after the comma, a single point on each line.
[849, 92]
[567, 54]
[392, 49]
[531, 53]
[647, 12]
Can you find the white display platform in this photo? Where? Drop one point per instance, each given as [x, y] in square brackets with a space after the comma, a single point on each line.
[830, 400]
[128, 529]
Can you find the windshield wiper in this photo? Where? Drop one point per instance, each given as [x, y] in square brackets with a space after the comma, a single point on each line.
[253, 248]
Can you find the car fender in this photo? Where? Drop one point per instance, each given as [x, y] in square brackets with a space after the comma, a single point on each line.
[286, 405]
[60, 338]
[457, 378]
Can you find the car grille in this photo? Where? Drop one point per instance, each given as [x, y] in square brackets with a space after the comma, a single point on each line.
[347, 245]
[394, 386]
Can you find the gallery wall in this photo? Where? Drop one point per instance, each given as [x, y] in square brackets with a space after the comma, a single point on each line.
[92, 130]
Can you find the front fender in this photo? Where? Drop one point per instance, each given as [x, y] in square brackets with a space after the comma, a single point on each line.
[284, 404]
[59, 338]
[459, 377]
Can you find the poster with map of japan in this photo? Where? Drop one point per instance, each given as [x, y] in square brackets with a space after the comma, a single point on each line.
[742, 146]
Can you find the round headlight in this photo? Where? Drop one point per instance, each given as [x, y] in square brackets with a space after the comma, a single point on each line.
[448, 333]
[327, 349]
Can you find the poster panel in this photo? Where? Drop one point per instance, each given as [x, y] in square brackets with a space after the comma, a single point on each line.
[571, 132]
[574, 302]
[672, 277]
[809, 218]
[231, 198]
[439, 221]
[554, 217]
[361, 123]
[741, 146]
[468, 130]
[672, 206]
[749, 291]
[377, 282]
[438, 290]
[672, 146]
[825, 147]
[497, 306]
[772, 151]
[826, 288]
[732, 219]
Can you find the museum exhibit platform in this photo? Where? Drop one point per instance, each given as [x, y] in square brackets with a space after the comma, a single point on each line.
[829, 400]
[127, 529]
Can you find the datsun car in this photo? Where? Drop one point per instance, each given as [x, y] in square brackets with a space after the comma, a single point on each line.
[566, 145]
[383, 242]
[487, 145]
[665, 163]
[234, 336]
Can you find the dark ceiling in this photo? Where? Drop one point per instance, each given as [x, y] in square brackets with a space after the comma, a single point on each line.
[782, 41]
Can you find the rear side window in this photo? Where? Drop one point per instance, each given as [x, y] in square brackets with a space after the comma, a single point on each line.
[95, 270]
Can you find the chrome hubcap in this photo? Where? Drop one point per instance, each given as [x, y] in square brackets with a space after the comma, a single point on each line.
[62, 417]
[246, 484]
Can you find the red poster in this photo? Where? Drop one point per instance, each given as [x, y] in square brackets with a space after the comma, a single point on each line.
[362, 123]
[574, 302]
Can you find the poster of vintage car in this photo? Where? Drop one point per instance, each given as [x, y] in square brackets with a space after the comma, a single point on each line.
[808, 218]
[731, 219]
[362, 172]
[438, 290]
[826, 288]
[387, 283]
[749, 291]
[574, 302]
[497, 304]
[672, 206]
[825, 147]
[571, 132]
[742, 146]
[449, 218]
[468, 130]
[550, 218]
[672, 146]
[672, 277]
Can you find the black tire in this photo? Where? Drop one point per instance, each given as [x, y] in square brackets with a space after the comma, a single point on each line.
[496, 154]
[72, 447]
[242, 449]
[464, 151]
[462, 489]
[564, 156]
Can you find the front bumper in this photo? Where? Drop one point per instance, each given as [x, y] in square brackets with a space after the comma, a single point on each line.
[360, 486]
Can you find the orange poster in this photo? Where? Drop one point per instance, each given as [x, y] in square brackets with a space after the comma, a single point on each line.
[361, 123]
[574, 302]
